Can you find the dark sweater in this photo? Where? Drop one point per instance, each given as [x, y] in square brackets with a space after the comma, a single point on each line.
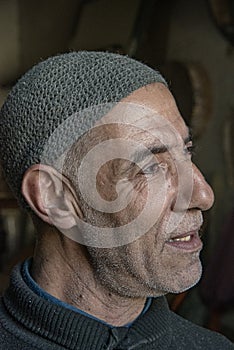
[28, 321]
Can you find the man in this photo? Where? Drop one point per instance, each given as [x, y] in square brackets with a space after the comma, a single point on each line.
[94, 147]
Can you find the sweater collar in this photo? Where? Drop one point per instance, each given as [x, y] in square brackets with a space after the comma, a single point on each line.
[76, 331]
[25, 271]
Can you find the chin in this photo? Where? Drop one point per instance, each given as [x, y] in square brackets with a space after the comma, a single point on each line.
[177, 280]
[187, 279]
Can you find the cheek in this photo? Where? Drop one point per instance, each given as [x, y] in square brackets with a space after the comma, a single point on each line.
[145, 194]
[135, 195]
[138, 194]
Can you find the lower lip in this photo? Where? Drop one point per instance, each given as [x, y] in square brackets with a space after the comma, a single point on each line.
[193, 245]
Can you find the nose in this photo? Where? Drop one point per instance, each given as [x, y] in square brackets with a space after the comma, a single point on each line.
[202, 194]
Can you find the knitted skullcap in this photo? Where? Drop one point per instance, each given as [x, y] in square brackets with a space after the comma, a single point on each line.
[52, 91]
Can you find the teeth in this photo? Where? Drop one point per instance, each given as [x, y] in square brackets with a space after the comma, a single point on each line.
[183, 239]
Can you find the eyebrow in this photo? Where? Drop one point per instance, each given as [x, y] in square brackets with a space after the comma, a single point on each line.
[140, 155]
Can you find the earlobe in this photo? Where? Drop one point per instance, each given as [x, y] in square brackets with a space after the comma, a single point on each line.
[51, 196]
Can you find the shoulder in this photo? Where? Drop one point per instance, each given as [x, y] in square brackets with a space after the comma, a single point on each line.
[192, 336]
[8, 339]
[14, 337]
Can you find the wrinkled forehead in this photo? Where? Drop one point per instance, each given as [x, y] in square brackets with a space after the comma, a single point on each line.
[149, 115]
[127, 132]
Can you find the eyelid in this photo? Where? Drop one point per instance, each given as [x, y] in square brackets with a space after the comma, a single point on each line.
[158, 165]
[190, 148]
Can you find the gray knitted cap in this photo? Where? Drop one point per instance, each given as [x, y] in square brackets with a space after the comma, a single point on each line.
[51, 92]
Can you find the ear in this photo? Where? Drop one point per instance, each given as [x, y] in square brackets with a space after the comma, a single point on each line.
[51, 196]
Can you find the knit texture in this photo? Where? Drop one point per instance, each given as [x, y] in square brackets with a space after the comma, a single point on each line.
[29, 322]
[54, 90]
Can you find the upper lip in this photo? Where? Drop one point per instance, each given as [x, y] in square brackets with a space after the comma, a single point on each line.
[187, 233]
[191, 224]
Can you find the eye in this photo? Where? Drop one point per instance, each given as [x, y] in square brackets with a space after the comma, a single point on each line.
[190, 149]
[150, 169]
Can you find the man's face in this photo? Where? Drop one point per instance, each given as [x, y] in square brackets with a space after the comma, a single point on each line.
[164, 258]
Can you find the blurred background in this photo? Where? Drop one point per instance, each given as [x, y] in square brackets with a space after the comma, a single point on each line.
[191, 43]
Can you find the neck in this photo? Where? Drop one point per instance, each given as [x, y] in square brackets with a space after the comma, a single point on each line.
[63, 269]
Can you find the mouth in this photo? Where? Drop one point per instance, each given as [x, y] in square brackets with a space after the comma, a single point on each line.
[189, 241]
